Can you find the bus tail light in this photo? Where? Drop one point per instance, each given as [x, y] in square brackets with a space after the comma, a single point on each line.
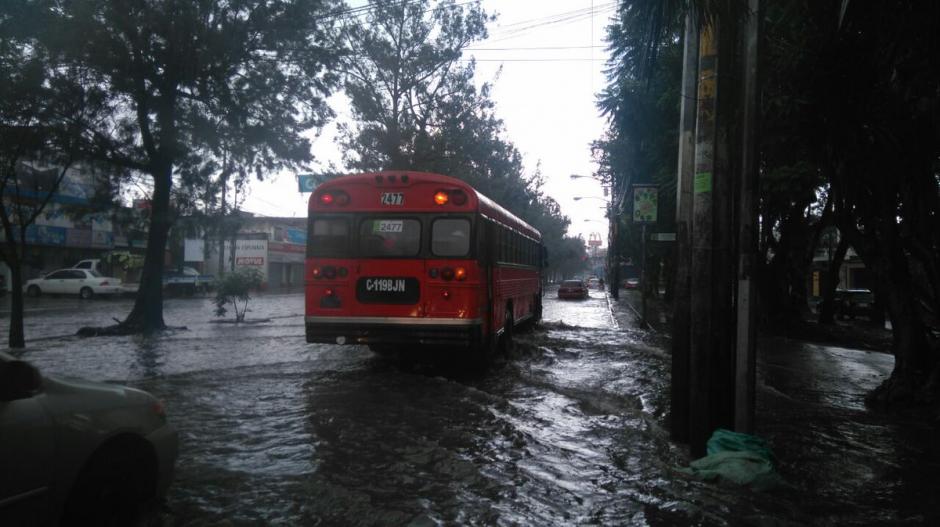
[329, 272]
[460, 274]
[441, 197]
[458, 197]
[447, 273]
[316, 272]
[336, 197]
[328, 291]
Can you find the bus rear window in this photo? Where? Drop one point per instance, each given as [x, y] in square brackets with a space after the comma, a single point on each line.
[450, 237]
[329, 237]
[389, 237]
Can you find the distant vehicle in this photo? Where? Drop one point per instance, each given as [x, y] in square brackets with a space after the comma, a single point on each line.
[81, 282]
[851, 303]
[418, 259]
[187, 281]
[79, 453]
[631, 283]
[575, 289]
[593, 283]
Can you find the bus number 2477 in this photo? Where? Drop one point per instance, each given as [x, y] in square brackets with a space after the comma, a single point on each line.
[393, 198]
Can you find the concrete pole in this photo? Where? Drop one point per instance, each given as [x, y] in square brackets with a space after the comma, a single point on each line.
[701, 273]
[680, 394]
[747, 231]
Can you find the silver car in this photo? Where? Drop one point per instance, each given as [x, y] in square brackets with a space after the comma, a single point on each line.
[77, 452]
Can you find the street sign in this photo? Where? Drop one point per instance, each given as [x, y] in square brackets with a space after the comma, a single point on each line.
[306, 182]
[645, 204]
[663, 237]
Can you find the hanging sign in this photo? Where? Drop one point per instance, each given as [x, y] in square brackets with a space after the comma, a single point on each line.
[645, 203]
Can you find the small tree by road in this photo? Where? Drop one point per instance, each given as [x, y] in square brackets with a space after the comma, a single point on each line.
[235, 288]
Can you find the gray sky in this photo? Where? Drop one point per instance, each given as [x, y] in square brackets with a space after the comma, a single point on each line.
[552, 56]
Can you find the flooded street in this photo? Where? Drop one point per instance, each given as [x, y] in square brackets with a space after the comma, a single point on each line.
[570, 430]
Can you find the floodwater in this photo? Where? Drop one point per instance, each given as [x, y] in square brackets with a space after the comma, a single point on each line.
[569, 430]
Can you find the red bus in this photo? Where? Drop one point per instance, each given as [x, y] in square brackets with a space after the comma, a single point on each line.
[399, 258]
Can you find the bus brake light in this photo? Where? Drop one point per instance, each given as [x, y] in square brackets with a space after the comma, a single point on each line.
[441, 198]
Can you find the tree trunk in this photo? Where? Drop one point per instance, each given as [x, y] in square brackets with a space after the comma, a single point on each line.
[147, 314]
[915, 365]
[827, 307]
[17, 334]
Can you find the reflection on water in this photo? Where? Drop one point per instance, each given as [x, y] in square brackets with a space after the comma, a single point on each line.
[569, 431]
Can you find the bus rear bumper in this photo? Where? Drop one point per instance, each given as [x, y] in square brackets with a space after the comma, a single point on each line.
[394, 330]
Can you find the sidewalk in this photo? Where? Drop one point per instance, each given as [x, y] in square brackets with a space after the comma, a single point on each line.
[841, 460]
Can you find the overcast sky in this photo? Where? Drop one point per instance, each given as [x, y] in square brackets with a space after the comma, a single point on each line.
[552, 56]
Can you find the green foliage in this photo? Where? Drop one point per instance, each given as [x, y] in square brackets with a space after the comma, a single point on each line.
[193, 89]
[416, 107]
[235, 288]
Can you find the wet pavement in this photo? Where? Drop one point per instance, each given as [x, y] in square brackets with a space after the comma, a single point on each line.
[570, 430]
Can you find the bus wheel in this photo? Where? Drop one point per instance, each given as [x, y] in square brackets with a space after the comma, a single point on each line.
[507, 345]
[537, 312]
[383, 350]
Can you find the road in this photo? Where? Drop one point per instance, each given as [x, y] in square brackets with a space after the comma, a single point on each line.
[569, 430]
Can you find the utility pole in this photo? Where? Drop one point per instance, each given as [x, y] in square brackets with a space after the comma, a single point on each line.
[747, 242]
[680, 394]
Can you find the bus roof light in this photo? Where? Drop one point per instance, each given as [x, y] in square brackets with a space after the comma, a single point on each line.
[460, 273]
[342, 199]
[441, 197]
[459, 197]
[326, 198]
[447, 273]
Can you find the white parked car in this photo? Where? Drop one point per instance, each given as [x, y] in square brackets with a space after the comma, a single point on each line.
[82, 282]
[79, 453]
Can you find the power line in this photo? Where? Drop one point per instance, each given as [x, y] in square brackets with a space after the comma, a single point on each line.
[533, 48]
[532, 60]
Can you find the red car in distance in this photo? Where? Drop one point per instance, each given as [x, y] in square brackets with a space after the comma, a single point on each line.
[575, 289]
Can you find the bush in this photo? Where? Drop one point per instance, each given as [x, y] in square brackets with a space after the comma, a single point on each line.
[234, 288]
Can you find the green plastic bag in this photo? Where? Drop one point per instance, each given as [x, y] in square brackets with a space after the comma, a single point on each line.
[739, 458]
[727, 441]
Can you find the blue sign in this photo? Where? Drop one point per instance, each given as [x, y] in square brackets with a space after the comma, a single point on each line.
[306, 182]
[296, 235]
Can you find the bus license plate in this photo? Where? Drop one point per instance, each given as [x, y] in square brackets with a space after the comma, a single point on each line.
[393, 198]
[387, 290]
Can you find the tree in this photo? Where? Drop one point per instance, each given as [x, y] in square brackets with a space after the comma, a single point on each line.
[187, 81]
[850, 137]
[235, 288]
[416, 107]
[44, 108]
[403, 66]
